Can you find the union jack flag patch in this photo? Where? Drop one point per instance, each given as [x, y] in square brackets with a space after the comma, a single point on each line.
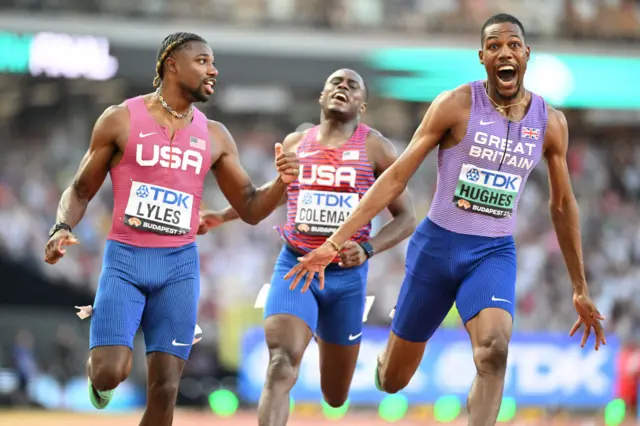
[530, 133]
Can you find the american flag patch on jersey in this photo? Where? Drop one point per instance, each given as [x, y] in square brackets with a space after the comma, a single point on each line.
[350, 155]
[198, 143]
[531, 133]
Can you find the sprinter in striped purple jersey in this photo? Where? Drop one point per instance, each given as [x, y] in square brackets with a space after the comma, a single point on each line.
[490, 135]
[339, 161]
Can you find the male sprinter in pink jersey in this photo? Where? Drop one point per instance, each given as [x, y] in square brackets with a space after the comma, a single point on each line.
[339, 161]
[157, 149]
[490, 135]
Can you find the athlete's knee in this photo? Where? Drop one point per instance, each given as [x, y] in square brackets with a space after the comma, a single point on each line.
[335, 390]
[283, 366]
[164, 372]
[335, 401]
[163, 392]
[396, 374]
[490, 355]
[108, 367]
[391, 378]
[107, 376]
[394, 383]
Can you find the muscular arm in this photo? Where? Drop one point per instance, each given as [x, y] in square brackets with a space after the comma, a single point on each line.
[562, 203]
[93, 167]
[229, 213]
[440, 117]
[248, 203]
[404, 218]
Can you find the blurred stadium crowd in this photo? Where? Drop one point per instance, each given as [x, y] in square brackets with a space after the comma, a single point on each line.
[583, 19]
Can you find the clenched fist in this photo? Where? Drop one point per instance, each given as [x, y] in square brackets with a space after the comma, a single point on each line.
[287, 164]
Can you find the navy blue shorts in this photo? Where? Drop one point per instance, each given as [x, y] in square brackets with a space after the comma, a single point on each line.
[444, 267]
[156, 288]
[333, 314]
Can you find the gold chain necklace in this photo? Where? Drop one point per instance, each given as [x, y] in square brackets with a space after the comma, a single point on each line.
[170, 110]
[502, 109]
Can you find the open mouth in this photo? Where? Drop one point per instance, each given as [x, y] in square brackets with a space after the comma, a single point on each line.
[506, 73]
[209, 85]
[340, 97]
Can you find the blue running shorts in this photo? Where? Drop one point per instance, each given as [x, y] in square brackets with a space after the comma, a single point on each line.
[444, 267]
[333, 314]
[156, 288]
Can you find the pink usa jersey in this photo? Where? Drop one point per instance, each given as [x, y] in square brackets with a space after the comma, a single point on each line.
[330, 185]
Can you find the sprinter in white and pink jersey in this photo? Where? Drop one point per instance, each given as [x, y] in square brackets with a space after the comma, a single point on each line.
[490, 135]
[157, 149]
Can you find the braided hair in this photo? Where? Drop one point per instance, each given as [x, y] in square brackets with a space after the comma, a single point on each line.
[170, 44]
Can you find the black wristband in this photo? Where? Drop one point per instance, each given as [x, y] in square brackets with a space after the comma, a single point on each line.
[368, 249]
[57, 227]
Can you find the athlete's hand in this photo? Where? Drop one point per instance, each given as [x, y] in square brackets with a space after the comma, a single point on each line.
[352, 254]
[209, 219]
[55, 248]
[287, 164]
[311, 263]
[588, 316]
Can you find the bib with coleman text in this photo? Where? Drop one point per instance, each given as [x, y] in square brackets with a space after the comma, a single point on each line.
[331, 183]
[487, 192]
[322, 212]
[158, 209]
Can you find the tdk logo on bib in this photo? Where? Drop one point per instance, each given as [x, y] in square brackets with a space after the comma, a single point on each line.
[322, 212]
[165, 196]
[157, 209]
[487, 192]
[329, 199]
[495, 180]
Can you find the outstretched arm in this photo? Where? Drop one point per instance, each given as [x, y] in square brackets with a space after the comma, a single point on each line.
[440, 117]
[403, 222]
[566, 221]
[210, 219]
[229, 213]
[93, 167]
[562, 204]
[249, 203]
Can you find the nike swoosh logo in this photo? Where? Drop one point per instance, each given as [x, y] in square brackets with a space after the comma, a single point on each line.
[307, 154]
[174, 343]
[144, 135]
[495, 299]
[486, 123]
[352, 337]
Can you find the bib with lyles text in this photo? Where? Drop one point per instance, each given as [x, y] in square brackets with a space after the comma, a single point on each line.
[158, 209]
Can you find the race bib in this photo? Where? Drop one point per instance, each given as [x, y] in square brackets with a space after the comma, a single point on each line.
[489, 192]
[322, 212]
[158, 209]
